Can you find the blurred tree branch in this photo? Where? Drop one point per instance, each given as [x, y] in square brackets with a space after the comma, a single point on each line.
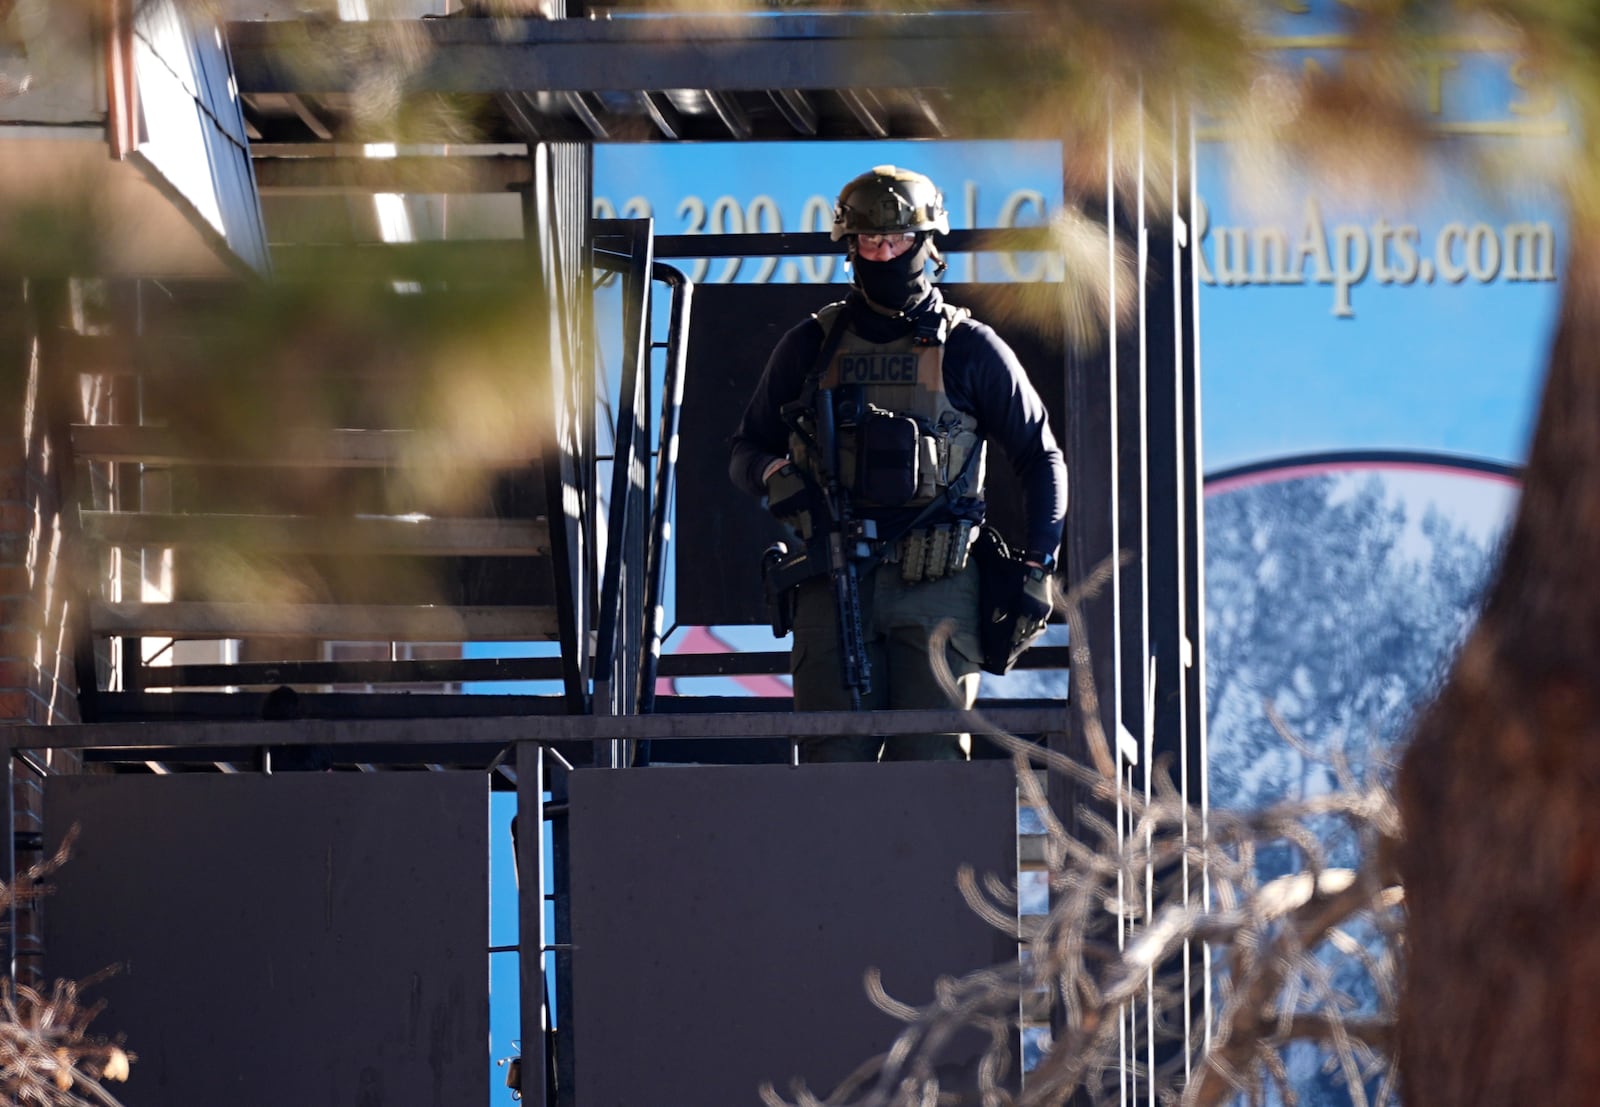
[1151, 901]
[47, 1055]
[1272, 942]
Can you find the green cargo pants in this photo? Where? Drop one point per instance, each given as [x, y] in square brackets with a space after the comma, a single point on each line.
[899, 621]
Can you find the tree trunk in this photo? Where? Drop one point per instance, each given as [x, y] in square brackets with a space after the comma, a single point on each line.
[1499, 789]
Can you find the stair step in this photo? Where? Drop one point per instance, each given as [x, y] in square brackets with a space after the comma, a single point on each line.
[340, 622]
[344, 448]
[398, 535]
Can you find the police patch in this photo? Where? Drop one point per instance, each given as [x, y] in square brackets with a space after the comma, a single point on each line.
[878, 368]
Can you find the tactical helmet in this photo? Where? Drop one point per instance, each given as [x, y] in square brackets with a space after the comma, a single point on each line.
[887, 200]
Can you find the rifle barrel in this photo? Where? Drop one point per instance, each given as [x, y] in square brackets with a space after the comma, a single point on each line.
[856, 669]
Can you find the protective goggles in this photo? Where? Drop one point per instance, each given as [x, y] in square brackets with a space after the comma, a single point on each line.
[873, 241]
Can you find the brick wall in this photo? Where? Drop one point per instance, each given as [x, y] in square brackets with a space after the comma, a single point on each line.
[37, 681]
[37, 678]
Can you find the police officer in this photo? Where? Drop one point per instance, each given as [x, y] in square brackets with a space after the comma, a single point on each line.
[917, 389]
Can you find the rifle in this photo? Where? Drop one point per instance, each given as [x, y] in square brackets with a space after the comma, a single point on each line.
[845, 535]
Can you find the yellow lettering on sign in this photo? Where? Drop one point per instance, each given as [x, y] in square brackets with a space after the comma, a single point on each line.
[1433, 70]
[1538, 97]
[1345, 255]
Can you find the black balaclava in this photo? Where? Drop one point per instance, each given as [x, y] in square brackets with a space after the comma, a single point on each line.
[898, 284]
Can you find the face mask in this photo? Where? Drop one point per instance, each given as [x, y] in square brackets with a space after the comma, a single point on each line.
[896, 284]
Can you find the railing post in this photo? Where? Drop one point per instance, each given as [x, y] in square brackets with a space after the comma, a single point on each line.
[8, 857]
[616, 665]
[530, 919]
[666, 477]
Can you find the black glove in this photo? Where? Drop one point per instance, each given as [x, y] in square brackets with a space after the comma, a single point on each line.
[1014, 602]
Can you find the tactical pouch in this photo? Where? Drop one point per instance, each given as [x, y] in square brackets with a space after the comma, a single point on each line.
[887, 453]
[928, 468]
[1003, 633]
[929, 553]
[779, 589]
[780, 611]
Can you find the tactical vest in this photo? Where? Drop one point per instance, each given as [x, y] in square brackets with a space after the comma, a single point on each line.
[901, 441]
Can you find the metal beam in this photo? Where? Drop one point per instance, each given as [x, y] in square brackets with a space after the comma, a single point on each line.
[819, 243]
[621, 615]
[399, 535]
[671, 423]
[524, 116]
[557, 202]
[488, 669]
[168, 707]
[8, 858]
[454, 173]
[331, 448]
[799, 51]
[529, 841]
[588, 116]
[545, 729]
[931, 113]
[868, 112]
[313, 122]
[799, 112]
[661, 112]
[732, 115]
[265, 674]
[509, 258]
[435, 262]
[340, 622]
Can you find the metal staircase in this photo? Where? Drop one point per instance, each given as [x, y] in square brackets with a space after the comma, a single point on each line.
[341, 524]
[326, 505]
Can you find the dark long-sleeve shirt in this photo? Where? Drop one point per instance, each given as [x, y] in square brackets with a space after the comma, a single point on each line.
[982, 377]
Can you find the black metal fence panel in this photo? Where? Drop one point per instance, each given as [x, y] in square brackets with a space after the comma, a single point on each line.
[723, 918]
[305, 938]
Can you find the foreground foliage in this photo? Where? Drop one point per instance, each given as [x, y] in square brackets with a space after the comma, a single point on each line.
[48, 1056]
[1168, 928]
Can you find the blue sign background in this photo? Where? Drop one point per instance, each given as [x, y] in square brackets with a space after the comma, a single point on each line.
[727, 188]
